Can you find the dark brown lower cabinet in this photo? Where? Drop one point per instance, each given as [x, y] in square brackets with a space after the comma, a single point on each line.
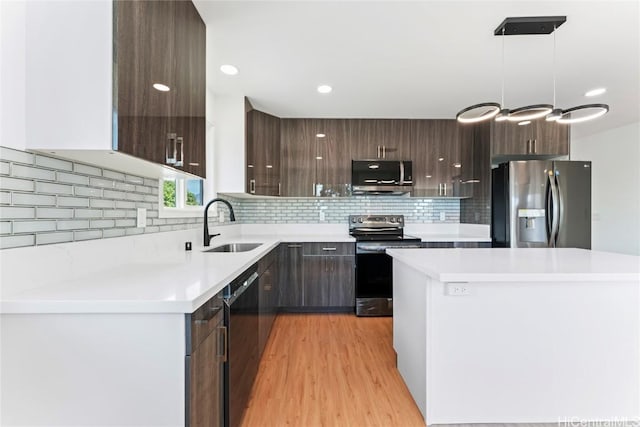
[328, 281]
[206, 354]
[268, 296]
[290, 275]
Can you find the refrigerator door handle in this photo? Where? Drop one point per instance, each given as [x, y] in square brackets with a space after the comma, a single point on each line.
[555, 199]
[548, 213]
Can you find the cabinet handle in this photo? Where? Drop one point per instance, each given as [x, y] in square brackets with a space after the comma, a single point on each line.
[170, 149]
[279, 189]
[294, 246]
[252, 186]
[534, 146]
[179, 142]
[384, 151]
[328, 249]
[267, 287]
[378, 151]
[225, 343]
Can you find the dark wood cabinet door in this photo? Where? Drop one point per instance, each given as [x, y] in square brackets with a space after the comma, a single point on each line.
[537, 138]
[160, 43]
[263, 153]
[436, 152]
[317, 276]
[206, 383]
[298, 162]
[388, 139]
[266, 306]
[341, 282]
[333, 157]
[290, 268]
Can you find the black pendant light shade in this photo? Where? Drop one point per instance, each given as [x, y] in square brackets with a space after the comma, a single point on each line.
[479, 112]
[582, 113]
[530, 112]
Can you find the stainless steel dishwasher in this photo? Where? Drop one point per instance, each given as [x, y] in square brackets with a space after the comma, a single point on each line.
[241, 318]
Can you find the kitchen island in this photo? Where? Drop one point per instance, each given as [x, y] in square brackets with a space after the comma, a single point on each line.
[518, 335]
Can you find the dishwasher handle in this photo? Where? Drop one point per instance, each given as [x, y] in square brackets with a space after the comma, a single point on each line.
[240, 290]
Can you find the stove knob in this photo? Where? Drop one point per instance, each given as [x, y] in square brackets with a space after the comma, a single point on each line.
[360, 220]
[353, 219]
[392, 219]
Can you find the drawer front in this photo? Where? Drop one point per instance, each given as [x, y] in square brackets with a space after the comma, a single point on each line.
[204, 320]
[328, 248]
[437, 245]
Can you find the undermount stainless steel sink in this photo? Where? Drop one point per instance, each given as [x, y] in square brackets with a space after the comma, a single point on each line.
[234, 247]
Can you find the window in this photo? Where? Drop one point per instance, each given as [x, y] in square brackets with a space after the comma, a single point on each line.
[181, 197]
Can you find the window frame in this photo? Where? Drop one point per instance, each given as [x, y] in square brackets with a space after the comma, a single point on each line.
[182, 210]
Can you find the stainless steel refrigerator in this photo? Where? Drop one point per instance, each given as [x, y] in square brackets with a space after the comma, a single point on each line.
[541, 203]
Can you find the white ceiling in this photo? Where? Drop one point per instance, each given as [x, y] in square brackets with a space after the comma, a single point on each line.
[422, 59]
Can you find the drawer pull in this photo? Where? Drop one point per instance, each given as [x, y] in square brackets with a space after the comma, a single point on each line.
[267, 287]
[294, 246]
[328, 249]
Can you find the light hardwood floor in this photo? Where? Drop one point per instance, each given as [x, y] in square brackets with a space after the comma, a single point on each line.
[330, 370]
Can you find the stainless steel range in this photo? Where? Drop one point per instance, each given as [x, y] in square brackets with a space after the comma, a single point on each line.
[374, 268]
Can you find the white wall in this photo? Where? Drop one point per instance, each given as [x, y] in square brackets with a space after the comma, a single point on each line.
[615, 187]
[12, 73]
[229, 160]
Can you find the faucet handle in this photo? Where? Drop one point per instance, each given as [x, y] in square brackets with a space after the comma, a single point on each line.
[214, 235]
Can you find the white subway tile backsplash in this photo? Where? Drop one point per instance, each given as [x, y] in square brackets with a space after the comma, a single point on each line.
[5, 227]
[99, 182]
[4, 168]
[113, 232]
[125, 204]
[76, 202]
[137, 179]
[30, 199]
[135, 197]
[75, 224]
[7, 183]
[87, 235]
[33, 226]
[151, 182]
[88, 213]
[102, 223]
[50, 238]
[134, 231]
[117, 213]
[123, 186]
[54, 213]
[11, 155]
[113, 175]
[17, 241]
[48, 187]
[5, 198]
[86, 169]
[111, 194]
[88, 191]
[22, 171]
[125, 223]
[50, 162]
[11, 212]
[101, 203]
[72, 178]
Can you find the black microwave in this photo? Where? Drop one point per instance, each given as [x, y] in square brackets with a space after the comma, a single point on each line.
[384, 177]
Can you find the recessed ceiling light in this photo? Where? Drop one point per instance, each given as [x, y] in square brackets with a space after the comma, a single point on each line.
[596, 92]
[524, 123]
[229, 70]
[320, 135]
[324, 88]
[161, 87]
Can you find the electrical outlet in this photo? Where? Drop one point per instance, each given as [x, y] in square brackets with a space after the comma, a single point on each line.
[221, 216]
[442, 216]
[457, 289]
[141, 218]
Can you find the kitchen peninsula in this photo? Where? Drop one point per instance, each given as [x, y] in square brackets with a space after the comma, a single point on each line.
[518, 335]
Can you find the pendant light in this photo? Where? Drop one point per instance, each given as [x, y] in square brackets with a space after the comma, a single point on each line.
[488, 110]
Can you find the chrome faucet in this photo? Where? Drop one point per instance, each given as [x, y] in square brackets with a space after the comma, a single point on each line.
[232, 217]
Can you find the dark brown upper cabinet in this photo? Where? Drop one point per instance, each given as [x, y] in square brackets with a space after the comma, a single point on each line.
[537, 138]
[381, 139]
[298, 167]
[160, 42]
[263, 154]
[437, 156]
[332, 157]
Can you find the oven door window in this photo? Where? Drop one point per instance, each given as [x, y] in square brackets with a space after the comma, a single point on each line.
[374, 276]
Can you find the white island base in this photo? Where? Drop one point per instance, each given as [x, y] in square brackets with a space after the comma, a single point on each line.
[518, 335]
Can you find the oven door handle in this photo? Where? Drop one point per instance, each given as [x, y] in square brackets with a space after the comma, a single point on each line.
[372, 248]
[368, 229]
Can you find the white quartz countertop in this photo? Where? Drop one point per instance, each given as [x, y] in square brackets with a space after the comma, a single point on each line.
[178, 283]
[521, 264]
[432, 237]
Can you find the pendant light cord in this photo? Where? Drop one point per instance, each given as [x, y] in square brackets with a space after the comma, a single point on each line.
[502, 100]
[554, 66]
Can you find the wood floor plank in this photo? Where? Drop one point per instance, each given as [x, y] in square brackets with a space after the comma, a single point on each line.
[330, 370]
